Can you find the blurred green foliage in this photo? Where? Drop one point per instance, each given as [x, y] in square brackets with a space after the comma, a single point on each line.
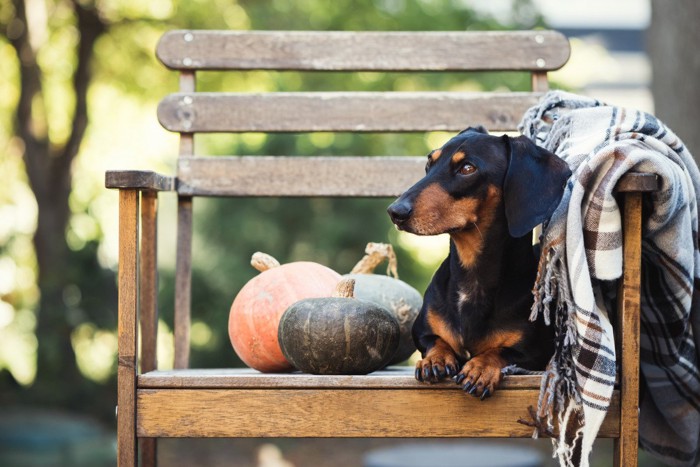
[128, 82]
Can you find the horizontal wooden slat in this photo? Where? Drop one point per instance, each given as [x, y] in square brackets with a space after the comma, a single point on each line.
[139, 180]
[342, 111]
[339, 413]
[245, 378]
[372, 51]
[346, 176]
[298, 176]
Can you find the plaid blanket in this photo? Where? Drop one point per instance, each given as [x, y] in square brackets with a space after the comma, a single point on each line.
[582, 258]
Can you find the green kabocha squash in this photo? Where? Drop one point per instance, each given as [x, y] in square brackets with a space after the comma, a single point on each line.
[402, 300]
[338, 334]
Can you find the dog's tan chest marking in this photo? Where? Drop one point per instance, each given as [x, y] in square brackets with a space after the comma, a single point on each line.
[497, 340]
[469, 243]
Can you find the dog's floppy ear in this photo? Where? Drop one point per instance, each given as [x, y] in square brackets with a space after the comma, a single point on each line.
[534, 184]
[478, 129]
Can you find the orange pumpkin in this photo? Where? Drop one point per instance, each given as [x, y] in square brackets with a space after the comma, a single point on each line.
[257, 309]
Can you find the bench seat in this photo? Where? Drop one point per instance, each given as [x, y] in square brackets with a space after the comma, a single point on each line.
[227, 402]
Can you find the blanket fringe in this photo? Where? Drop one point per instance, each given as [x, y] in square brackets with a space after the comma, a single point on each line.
[559, 396]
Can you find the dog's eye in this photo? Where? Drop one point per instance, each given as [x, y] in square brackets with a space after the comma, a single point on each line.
[467, 169]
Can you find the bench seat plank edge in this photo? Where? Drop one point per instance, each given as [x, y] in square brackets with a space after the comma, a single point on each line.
[322, 413]
[244, 378]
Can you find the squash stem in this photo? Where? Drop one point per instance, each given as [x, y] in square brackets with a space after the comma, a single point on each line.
[345, 289]
[262, 261]
[376, 253]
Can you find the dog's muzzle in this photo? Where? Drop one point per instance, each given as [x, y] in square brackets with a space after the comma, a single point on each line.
[400, 211]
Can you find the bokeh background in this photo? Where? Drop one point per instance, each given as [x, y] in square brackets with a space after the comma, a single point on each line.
[79, 85]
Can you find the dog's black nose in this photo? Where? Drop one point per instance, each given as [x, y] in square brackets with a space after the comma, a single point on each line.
[400, 211]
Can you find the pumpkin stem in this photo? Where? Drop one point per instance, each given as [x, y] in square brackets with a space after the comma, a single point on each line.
[262, 261]
[376, 253]
[344, 289]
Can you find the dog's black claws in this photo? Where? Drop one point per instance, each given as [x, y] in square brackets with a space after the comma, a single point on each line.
[449, 370]
[467, 386]
[418, 375]
[437, 373]
[459, 378]
[473, 390]
[485, 394]
[426, 373]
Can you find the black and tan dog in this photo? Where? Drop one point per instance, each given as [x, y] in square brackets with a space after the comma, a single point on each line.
[488, 193]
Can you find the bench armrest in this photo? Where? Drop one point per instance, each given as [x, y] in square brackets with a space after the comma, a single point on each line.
[139, 180]
[637, 182]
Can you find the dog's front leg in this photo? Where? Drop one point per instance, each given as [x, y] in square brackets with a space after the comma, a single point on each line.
[436, 340]
[482, 374]
[439, 361]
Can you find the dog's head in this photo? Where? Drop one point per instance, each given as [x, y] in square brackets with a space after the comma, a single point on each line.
[473, 176]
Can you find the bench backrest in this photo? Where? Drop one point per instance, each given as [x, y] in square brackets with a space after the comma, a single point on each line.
[189, 112]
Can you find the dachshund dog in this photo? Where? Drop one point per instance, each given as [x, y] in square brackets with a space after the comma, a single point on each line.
[488, 193]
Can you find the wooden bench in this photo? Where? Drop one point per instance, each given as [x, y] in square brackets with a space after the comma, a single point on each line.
[243, 403]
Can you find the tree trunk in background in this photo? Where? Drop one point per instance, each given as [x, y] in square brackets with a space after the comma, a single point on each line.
[48, 165]
[672, 42]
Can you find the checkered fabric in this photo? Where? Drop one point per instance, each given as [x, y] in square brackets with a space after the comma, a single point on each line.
[582, 258]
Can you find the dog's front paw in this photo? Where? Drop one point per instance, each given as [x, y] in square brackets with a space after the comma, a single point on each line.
[436, 366]
[481, 375]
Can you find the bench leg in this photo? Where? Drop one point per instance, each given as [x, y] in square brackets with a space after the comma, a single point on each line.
[148, 304]
[126, 329]
[149, 452]
[626, 447]
[148, 281]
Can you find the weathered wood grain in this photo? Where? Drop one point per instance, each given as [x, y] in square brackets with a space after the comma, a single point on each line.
[148, 305]
[298, 176]
[126, 327]
[628, 323]
[540, 83]
[370, 51]
[637, 182]
[244, 378]
[148, 452]
[342, 111]
[183, 259]
[183, 283]
[338, 413]
[139, 180]
[148, 291]
[315, 176]
[188, 84]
